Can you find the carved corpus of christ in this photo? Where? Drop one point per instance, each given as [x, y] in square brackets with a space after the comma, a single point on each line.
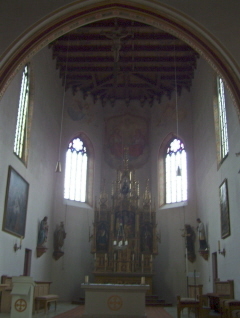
[116, 36]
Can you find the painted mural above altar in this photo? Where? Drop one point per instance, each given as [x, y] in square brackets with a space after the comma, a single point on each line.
[126, 131]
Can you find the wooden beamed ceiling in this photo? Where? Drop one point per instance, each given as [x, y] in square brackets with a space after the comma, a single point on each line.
[122, 59]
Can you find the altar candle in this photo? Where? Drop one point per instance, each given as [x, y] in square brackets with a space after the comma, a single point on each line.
[86, 279]
[142, 280]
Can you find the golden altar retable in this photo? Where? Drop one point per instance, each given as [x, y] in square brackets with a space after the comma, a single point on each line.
[124, 233]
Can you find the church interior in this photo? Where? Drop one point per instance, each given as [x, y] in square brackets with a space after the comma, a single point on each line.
[125, 169]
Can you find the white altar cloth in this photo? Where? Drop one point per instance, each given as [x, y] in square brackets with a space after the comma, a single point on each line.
[118, 301]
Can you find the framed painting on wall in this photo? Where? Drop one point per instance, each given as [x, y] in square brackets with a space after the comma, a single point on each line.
[224, 209]
[15, 212]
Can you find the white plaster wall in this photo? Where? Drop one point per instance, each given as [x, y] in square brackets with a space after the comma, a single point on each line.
[209, 178]
[170, 265]
[39, 172]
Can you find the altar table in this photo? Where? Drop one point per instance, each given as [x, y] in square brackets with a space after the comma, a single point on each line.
[118, 301]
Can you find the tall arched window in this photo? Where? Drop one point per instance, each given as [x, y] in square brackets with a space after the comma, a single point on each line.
[176, 172]
[21, 141]
[76, 171]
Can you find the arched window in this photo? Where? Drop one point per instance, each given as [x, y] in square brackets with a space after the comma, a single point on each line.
[222, 119]
[23, 118]
[76, 171]
[176, 172]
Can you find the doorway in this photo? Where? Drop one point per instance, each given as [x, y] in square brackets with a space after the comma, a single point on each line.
[214, 269]
[27, 262]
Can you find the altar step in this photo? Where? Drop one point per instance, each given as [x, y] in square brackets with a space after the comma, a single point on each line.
[153, 300]
[79, 301]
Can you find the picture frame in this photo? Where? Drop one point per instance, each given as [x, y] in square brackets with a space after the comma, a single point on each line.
[16, 201]
[224, 209]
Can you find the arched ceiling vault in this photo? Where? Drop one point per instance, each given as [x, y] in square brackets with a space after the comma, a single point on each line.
[155, 41]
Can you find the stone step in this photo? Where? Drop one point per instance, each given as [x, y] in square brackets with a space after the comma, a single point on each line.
[79, 301]
[151, 300]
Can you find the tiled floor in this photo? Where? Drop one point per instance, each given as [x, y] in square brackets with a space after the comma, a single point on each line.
[63, 307]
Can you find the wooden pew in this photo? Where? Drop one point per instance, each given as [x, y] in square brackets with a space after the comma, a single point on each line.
[223, 290]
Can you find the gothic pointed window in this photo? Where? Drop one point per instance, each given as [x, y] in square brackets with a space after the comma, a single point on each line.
[222, 120]
[23, 118]
[176, 172]
[76, 171]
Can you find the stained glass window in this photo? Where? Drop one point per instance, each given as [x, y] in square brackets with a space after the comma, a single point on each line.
[21, 137]
[222, 120]
[76, 171]
[176, 172]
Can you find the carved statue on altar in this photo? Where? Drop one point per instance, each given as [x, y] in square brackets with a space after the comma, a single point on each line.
[102, 237]
[146, 238]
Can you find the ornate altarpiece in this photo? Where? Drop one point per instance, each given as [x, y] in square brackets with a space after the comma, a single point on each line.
[124, 233]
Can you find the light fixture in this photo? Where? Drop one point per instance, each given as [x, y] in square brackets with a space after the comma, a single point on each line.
[179, 171]
[58, 165]
[16, 247]
[223, 252]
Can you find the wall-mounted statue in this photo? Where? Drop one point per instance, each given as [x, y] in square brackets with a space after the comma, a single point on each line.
[58, 240]
[201, 236]
[43, 232]
[42, 237]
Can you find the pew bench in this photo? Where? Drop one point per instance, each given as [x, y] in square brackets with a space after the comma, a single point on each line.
[223, 290]
[229, 306]
[45, 300]
[236, 314]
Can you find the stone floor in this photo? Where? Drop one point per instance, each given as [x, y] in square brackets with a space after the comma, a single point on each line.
[63, 307]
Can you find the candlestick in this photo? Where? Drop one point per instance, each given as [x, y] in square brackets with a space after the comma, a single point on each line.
[86, 279]
[142, 280]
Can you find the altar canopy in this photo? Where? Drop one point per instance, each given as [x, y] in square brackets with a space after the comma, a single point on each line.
[124, 235]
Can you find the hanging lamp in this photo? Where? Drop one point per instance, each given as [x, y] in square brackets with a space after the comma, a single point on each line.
[59, 165]
[179, 170]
